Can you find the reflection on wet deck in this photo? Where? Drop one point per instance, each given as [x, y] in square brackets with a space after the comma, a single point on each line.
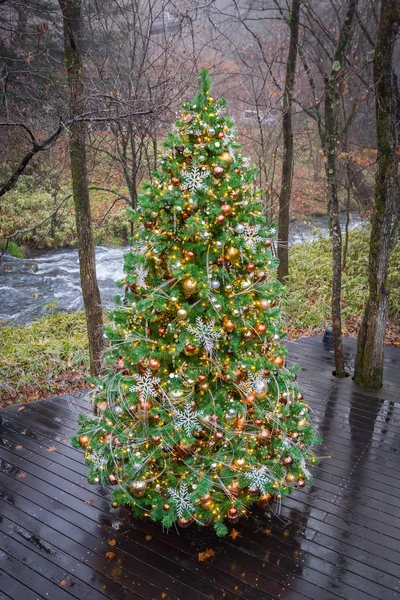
[61, 538]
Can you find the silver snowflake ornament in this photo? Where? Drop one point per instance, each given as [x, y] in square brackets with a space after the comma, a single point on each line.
[205, 334]
[97, 459]
[141, 274]
[259, 478]
[254, 382]
[251, 236]
[181, 499]
[193, 180]
[146, 385]
[188, 419]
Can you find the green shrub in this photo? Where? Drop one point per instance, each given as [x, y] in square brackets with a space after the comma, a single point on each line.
[306, 304]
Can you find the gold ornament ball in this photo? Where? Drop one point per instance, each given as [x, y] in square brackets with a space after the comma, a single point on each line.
[84, 441]
[240, 462]
[279, 361]
[204, 387]
[290, 478]
[302, 423]
[228, 325]
[182, 314]
[138, 489]
[264, 304]
[166, 506]
[189, 286]
[232, 254]
[225, 158]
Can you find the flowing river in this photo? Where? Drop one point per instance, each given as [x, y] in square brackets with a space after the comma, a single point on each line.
[48, 280]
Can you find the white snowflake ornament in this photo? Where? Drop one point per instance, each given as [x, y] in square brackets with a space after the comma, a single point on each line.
[141, 274]
[146, 385]
[259, 478]
[205, 333]
[193, 180]
[181, 499]
[188, 420]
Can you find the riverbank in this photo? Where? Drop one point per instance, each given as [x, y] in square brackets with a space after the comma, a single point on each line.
[50, 356]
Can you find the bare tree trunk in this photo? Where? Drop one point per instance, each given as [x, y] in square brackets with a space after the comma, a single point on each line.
[385, 218]
[330, 144]
[287, 130]
[72, 22]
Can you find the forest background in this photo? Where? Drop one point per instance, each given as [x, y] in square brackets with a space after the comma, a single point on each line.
[299, 80]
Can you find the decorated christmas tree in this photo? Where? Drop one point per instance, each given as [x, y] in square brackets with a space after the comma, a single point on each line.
[198, 417]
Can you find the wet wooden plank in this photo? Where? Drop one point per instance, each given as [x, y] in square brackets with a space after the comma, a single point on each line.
[340, 539]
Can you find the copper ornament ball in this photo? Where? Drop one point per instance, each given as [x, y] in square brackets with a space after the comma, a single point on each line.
[112, 479]
[154, 364]
[183, 523]
[191, 349]
[261, 328]
[218, 172]
[250, 267]
[219, 219]
[265, 501]
[175, 181]
[233, 515]
[279, 361]
[226, 209]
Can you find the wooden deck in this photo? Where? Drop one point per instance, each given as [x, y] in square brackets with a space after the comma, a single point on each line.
[339, 539]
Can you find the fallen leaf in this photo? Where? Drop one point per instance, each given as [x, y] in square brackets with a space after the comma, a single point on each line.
[268, 531]
[63, 582]
[90, 502]
[21, 475]
[112, 542]
[51, 448]
[234, 534]
[21, 408]
[19, 447]
[148, 537]
[206, 554]
[110, 555]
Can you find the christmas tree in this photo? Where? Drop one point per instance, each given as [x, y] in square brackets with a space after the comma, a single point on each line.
[198, 417]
